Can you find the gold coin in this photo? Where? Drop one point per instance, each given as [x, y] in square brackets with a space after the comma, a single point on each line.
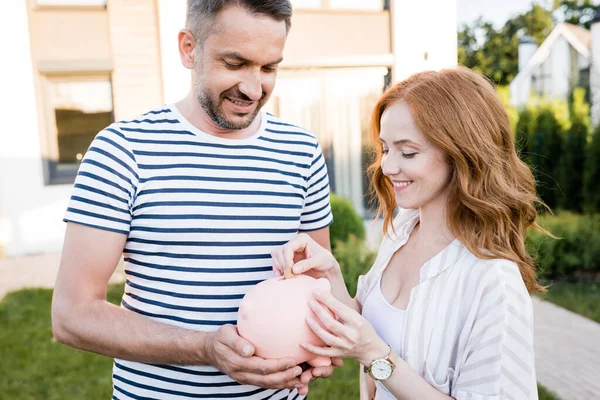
[287, 273]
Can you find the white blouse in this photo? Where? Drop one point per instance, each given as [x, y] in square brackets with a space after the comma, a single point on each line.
[388, 322]
[468, 329]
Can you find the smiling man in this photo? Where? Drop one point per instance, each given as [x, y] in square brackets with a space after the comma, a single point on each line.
[195, 195]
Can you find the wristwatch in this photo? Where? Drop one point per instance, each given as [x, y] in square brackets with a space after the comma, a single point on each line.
[381, 368]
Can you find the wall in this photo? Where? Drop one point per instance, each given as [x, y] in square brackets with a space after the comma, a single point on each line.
[122, 39]
[30, 214]
[424, 36]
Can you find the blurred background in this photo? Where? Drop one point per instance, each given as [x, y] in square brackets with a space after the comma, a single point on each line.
[69, 68]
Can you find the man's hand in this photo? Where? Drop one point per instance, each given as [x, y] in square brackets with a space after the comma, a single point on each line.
[234, 356]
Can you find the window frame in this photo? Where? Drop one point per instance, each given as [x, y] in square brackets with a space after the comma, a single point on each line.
[56, 173]
[325, 5]
[39, 4]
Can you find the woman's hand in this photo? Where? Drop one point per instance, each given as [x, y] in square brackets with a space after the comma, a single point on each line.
[351, 335]
[304, 256]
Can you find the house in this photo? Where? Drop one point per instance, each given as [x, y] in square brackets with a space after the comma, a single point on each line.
[567, 59]
[73, 66]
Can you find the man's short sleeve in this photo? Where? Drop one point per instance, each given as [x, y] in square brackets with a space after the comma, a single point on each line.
[317, 210]
[106, 184]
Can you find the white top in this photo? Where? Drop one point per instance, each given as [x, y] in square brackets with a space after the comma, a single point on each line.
[201, 214]
[388, 322]
[469, 322]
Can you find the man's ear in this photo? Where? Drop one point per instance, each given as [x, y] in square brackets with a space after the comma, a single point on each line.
[187, 48]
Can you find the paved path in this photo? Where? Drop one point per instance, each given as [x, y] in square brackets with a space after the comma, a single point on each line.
[35, 271]
[567, 352]
[567, 346]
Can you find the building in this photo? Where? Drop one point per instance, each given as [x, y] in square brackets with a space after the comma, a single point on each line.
[568, 58]
[74, 66]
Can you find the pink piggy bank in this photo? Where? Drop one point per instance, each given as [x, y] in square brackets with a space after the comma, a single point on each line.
[272, 316]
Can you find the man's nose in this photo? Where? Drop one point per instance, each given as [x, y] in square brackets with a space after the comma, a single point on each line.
[251, 86]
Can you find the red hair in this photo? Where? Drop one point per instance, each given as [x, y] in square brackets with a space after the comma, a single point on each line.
[492, 198]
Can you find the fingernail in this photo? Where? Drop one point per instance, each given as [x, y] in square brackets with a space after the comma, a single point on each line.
[312, 303]
[246, 350]
[298, 385]
[298, 372]
[317, 293]
[310, 320]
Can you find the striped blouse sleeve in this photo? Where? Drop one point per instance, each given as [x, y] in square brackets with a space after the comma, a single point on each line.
[498, 359]
[317, 210]
[105, 185]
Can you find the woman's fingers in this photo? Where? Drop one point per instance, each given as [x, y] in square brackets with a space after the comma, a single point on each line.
[330, 323]
[323, 351]
[338, 308]
[327, 337]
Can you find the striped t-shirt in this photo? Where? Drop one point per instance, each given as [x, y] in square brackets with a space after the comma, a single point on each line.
[201, 215]
[468, 329]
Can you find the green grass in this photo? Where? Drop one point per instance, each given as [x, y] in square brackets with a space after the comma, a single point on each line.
[545, 394]
[582, 297]
[34, 366]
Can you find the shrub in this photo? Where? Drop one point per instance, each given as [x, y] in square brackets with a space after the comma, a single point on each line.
[355, 259]
[576, 252]
[346, 221]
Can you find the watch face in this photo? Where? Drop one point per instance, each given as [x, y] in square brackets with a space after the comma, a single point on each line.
[381, 369]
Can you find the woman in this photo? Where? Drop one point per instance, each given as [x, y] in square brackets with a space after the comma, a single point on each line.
[445, 311]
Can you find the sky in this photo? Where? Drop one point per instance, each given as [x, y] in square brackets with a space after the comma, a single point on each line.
[496, 11]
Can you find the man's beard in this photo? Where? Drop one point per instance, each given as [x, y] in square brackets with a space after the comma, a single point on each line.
[211, 107]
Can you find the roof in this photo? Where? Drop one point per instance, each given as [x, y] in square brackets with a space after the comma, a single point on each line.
[579, 38]
[582, 34]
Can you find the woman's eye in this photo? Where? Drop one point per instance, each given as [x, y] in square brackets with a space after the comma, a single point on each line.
[408, 155]
[385, 151]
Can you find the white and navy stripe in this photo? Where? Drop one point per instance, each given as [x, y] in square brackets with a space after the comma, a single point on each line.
[201, 215]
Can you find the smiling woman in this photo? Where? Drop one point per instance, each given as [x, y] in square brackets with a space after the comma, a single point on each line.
[445, 311]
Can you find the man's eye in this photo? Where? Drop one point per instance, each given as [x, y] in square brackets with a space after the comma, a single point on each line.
[269, 69]
[232, 66]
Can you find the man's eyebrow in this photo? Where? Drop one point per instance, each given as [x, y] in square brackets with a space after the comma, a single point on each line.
[235, 55]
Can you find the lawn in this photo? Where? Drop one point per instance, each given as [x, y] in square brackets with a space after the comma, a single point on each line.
[33, 366]
[581, 297]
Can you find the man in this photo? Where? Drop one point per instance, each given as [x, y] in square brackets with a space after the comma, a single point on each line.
[195, 195]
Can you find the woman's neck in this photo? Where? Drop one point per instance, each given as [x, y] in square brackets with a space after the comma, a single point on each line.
[433, 226]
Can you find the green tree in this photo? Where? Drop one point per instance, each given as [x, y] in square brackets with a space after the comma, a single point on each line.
[496, 53]
[573, 156]
[592, 174]
[524, 134]
[545, 156]
[576, 12]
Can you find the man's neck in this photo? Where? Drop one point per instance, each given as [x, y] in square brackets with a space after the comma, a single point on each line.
[195, 114]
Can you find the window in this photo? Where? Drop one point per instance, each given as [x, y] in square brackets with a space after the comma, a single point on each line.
[70, 3]
[77, 108]
[324, 102]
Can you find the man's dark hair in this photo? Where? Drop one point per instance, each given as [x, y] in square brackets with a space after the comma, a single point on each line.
[201, 13]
